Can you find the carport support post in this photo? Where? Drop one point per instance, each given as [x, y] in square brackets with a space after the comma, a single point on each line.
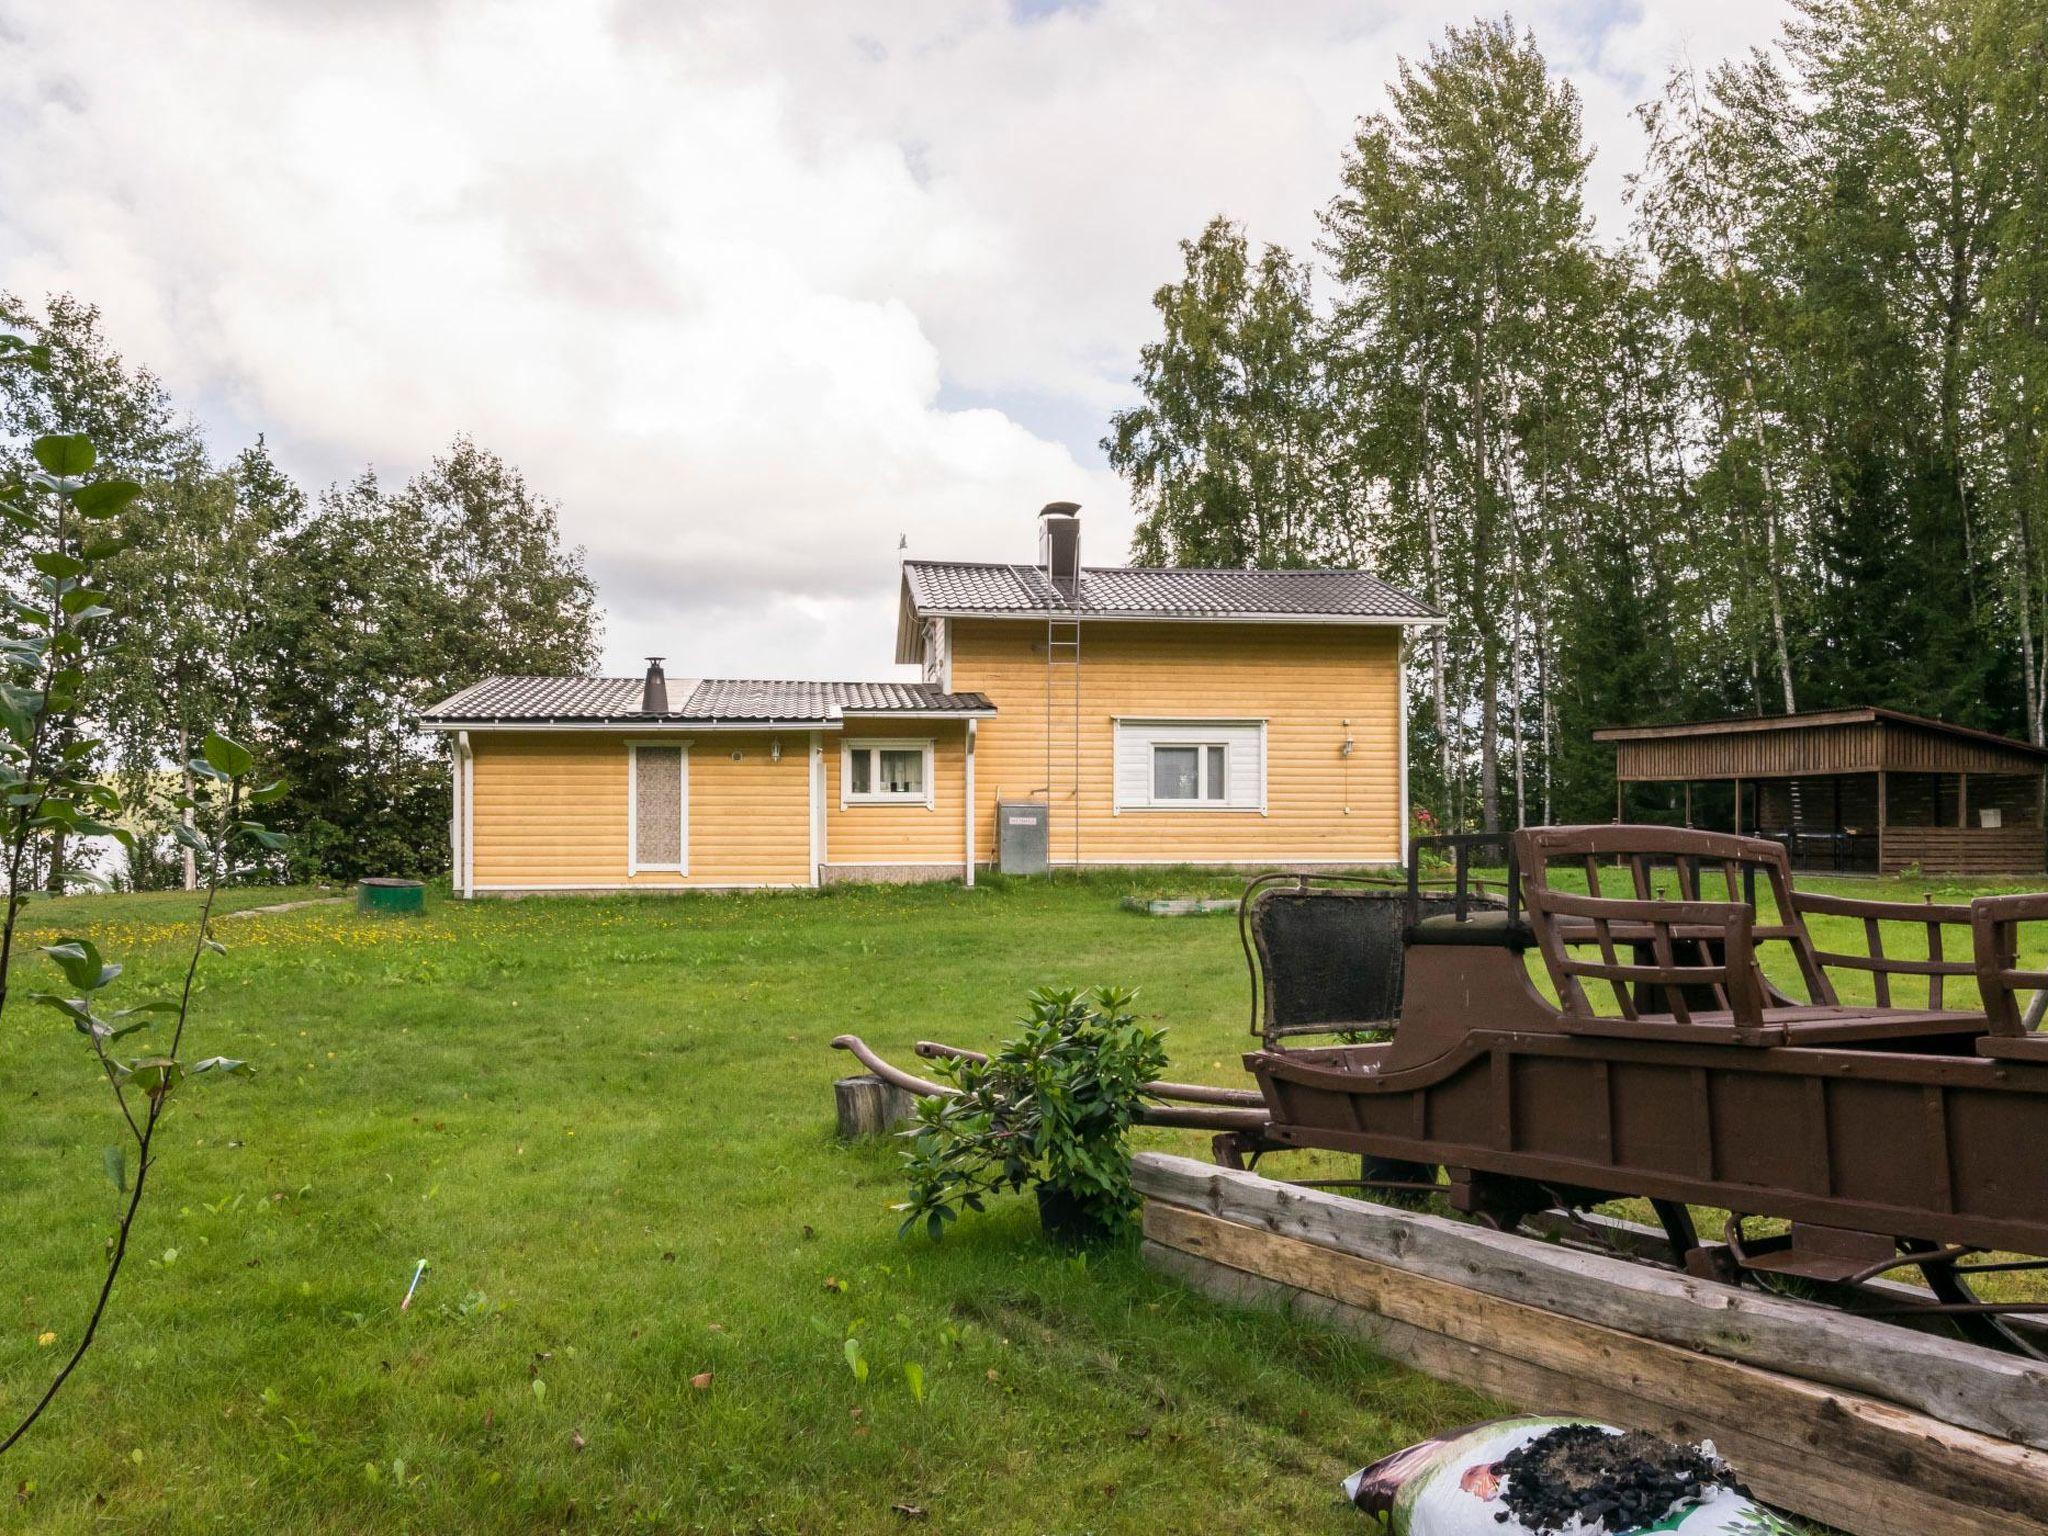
[1882, 816]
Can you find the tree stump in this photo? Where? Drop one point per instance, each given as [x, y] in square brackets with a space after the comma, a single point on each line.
[870, 1107]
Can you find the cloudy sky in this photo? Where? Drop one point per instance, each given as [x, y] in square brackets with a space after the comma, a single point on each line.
[753, 289]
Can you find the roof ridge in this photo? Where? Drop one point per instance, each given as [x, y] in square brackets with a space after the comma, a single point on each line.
[826, 682]
[1165, 570]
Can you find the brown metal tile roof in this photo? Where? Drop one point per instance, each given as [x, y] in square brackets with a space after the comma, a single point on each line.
[960, 587]
[763, 699]
[616, 700]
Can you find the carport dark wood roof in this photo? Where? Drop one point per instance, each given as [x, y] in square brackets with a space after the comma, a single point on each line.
[1827, 741]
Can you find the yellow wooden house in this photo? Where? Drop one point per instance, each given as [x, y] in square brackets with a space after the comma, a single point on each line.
[1146, 715]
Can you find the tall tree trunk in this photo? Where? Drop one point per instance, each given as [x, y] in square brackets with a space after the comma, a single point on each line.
[1515, 730]
[2025, 481]
[1489, 743]
[1773, 586]
[1439, 664]
[59, 867]
[1547, 723]
[1480, 596]
[185, 811]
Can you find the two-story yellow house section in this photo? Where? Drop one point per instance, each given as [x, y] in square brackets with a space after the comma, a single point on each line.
[1169, 716]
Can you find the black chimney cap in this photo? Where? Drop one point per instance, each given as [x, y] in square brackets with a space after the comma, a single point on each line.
[654, 692]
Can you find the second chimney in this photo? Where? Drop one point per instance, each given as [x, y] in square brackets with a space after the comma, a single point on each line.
[1059, 547]
[654, 692]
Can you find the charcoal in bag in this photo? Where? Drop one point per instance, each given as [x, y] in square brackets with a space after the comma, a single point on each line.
[1551, 1476]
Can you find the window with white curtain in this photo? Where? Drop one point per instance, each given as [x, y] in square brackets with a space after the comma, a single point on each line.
[1190, 765]
[888, 772]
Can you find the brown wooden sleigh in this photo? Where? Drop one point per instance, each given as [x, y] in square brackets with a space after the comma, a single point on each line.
[1688, 1043]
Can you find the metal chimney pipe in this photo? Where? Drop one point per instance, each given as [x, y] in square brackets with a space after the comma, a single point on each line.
[654, 692]
[1059, 547]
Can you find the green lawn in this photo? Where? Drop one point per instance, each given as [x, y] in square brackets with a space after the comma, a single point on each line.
[607, 1124]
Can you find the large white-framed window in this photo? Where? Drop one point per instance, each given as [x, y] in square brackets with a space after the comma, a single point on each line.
[657, 807]
[890, 770]
[1190, 765]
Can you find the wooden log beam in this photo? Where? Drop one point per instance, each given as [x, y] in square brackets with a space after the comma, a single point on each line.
[1185, 1093]
[1957, 1383]
[1787, 1438]
[1198, 1116]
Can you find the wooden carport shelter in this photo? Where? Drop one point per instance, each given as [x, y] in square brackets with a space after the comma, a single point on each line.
[1856, 790]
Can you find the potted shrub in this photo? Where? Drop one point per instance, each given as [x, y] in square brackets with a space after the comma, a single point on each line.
[1051, 1110]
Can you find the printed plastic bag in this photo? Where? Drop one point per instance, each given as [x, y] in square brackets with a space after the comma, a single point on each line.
[1572, 1477]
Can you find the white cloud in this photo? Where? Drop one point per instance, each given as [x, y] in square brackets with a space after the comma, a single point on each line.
[706, 275]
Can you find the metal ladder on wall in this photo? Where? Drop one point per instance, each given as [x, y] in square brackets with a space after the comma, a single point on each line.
[1063, 709]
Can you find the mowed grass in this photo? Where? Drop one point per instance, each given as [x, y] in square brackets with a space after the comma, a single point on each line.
[607, 1124]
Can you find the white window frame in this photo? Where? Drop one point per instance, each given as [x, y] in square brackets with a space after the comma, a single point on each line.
[633, 864]
[1192, 725]
[924, 744]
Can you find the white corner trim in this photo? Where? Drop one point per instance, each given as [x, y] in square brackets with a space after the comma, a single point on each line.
[817, 752]
[462, 817]
[851, 745]
[1401, 687]
[967, 775]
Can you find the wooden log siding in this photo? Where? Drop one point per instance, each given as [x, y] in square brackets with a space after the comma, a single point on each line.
[1315, 686]
[1777, 749]
[911, 833]
[1908, 780]
[2004, 850]
[1762, 754]
[551, 811]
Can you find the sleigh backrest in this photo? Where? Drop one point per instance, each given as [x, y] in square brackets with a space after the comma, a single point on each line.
[1666, 956]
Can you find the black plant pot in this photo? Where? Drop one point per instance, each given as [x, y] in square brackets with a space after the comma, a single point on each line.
[1072, 1223]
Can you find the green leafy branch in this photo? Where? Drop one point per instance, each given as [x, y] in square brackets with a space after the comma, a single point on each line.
[58, 516]
[143, 1085]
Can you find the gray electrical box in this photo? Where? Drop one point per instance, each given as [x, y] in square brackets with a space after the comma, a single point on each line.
[1021, 834]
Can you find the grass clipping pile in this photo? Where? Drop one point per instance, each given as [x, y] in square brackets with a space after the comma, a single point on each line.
[1557, 1477]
